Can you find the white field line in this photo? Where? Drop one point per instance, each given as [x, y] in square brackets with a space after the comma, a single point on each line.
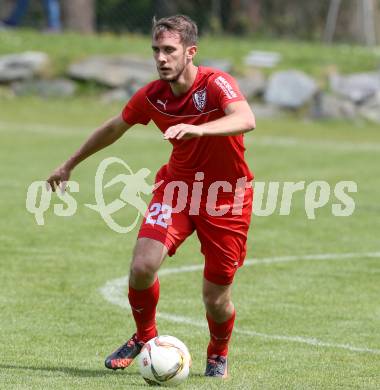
[114, 292]
[287, 142]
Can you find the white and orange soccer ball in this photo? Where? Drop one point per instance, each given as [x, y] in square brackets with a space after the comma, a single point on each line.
[165, 361]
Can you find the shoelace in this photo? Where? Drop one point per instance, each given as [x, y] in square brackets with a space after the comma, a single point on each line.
[126, 346]
[130, 343]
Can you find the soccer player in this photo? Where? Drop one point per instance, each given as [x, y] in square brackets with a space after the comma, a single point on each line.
[202, 113]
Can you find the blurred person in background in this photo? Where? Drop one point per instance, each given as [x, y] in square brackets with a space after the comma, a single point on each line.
[52, 9]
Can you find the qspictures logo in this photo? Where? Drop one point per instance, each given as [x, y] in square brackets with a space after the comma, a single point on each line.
[269, 197]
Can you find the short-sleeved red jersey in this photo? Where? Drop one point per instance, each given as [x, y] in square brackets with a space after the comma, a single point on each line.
[219, 158]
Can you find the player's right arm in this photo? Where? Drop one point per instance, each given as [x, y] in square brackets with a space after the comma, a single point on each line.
[103, 136]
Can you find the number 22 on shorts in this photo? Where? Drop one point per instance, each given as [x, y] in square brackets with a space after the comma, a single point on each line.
[159, 214]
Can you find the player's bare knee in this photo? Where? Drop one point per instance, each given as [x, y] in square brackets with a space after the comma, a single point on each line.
[142, 267]
[216, 303]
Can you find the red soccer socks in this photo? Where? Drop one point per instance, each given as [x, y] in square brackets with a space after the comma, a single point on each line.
[220, 334]
[143, 304]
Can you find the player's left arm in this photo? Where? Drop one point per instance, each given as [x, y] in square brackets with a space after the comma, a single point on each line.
[238, 119]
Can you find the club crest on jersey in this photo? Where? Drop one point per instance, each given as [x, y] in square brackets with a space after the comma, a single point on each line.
[200, 99]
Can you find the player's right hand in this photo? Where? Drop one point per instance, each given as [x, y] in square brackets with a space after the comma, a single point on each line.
[58, 178]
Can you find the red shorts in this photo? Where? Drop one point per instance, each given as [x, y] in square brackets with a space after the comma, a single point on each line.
[223, 238]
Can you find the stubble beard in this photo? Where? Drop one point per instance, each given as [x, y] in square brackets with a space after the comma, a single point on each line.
[174, 79]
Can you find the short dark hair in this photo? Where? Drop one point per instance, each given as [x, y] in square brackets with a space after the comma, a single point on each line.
[181, 24]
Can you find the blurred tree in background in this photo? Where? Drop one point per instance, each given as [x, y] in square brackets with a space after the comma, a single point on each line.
[137, 15]
[231, 16]
[122, 15]
[79, 15]
[299, 18]
[302, 19]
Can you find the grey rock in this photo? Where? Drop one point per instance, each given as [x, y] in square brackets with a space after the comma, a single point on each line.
[290, 89]
[371, 109]
[115, 95]
[262, 59]
[266, 111]
[45, 88]
[122, 94]
[222, 64]
[115, 71]
[133, 86]
[252, 85]
[356, 87]
[22, 66]
[327, 106]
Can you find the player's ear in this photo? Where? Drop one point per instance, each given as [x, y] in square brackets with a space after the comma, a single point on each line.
[191, 51]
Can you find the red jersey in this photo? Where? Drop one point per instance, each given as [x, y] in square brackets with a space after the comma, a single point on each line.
[219, 157]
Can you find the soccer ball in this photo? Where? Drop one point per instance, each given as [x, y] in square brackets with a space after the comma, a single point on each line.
[164, 360]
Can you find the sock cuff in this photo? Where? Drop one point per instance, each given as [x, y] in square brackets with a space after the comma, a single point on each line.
[150, 289]
[142, 295]
[221, 325]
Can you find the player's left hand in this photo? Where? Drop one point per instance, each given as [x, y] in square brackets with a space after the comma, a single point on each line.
[183, 131]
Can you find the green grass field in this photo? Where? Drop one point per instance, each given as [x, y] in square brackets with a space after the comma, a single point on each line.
[302, 324]
[308, 306]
